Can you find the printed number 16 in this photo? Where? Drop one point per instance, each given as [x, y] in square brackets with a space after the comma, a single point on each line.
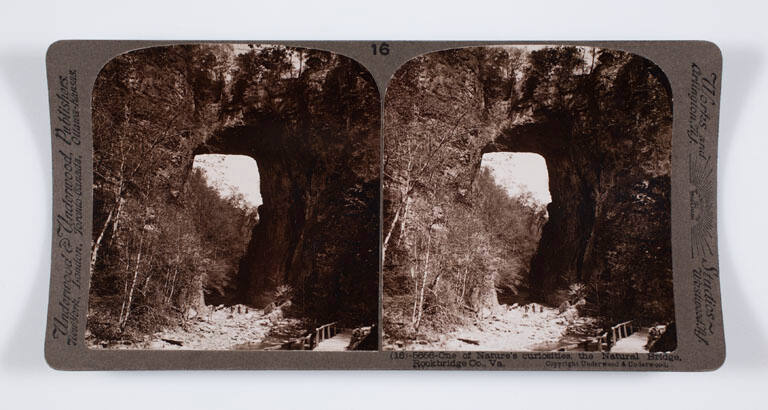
[382, 49]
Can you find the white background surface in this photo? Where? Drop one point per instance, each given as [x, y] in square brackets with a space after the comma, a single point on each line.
[27, 27]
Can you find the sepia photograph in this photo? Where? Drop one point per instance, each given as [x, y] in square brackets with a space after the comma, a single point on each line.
[526, 202]
[236, 200]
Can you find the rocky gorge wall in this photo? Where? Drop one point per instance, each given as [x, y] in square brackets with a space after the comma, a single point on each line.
[604, 129]
[310, 119]
[608, 150]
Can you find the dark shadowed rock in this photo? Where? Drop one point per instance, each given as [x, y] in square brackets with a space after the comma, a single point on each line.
[668, 340]
[605, 133]
[314, 133]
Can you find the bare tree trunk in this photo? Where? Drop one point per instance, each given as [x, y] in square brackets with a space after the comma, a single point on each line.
[97, 244]
[125, 287]
[113, 212]
[166, 282]
[403, 203]
[403, 221]
[464, 283]
[116, 223]
[301, 61]
[389, 234]
[133, 284]
[173, 284]
[175, 273]
[420, 311]
[149, 276]
[415, 297]
[122, 307]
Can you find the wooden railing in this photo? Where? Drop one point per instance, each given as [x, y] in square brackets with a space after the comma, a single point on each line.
[601, 341]
[622, 330]
[304, 343]
[618, 332]
[323, 332]
[311, 339]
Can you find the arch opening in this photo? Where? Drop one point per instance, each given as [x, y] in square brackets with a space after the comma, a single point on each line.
[235, 181]
[516, 193]
[600, 119]
[309, 118]
[269, 260]
[232, 176]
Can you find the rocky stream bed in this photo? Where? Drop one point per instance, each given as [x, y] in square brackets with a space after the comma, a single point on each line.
[510, 328]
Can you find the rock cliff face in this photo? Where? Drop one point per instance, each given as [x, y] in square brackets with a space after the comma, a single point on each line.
[604, 128]
[310, 119]
[318, 163]
[608, 150]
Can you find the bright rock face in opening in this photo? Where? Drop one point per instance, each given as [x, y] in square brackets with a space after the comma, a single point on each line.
[520, 173]
[313, 130]
[232, 175]
[601, 119]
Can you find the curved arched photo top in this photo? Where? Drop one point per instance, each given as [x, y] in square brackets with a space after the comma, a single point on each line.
[172, 242]
[454, 237]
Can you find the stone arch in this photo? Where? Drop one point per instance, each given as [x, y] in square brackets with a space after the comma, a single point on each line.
[607, 147]
[317, 153]
[310, 118]
[608, 156]
[282, 215]
[560, 254]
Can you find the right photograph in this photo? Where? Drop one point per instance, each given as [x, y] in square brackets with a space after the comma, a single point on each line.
[526, 200]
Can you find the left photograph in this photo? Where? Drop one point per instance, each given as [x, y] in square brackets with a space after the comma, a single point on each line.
[235, 200]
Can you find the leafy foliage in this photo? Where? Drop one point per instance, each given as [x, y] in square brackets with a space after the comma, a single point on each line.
[191, 246]
[454, 266]
[601, 119]
[308, 117]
